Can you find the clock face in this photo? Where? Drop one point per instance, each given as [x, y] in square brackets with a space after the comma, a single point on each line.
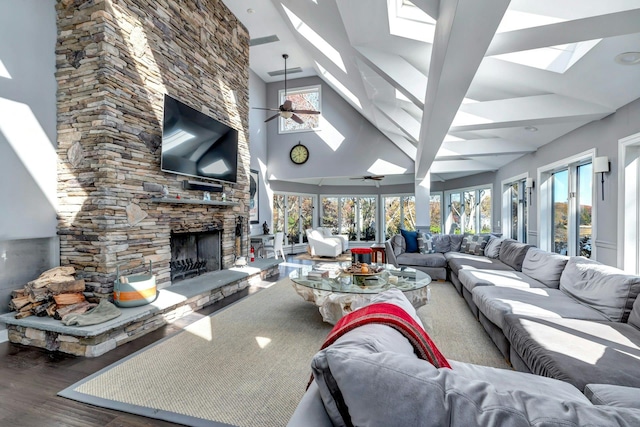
[299, 154]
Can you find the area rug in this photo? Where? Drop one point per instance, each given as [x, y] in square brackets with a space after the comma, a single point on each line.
[340, 258]
[248, 364]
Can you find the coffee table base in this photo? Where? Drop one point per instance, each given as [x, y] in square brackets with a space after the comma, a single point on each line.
[334, 305]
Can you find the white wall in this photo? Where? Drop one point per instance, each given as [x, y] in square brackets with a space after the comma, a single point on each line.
[258, 147]
[28, 161]
[357, 143]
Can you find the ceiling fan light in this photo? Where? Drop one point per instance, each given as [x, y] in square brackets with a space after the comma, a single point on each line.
[286, 114]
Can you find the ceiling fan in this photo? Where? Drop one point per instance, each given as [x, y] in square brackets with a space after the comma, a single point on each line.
[370, 177]
[286, 110]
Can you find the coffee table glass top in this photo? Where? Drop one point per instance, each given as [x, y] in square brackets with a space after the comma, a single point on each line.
[403, 278]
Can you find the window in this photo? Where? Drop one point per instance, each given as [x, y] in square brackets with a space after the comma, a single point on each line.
[351, 215]
[293, 214]
[468, 211]
[435, 213]
[306, 98]
[399, 212]
[515, 208]
[566, 206]
[628, 204]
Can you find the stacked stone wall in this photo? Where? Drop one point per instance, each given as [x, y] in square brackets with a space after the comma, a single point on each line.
[115, 60]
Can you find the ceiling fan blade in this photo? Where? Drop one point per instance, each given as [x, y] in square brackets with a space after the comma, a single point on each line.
[377, 177]
[286, 106]
[272, 117]
[268, 109]
[306, 112]
[297, 119]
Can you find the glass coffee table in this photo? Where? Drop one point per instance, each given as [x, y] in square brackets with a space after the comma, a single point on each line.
[340, 293]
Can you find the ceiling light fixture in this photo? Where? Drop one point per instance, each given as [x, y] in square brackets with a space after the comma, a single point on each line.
[250, 10]
[628, 58]
[531, 128]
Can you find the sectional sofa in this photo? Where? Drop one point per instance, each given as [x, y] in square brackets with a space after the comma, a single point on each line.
[568, 318]
[371, 376]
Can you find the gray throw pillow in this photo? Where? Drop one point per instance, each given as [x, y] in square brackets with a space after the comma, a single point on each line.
[474, 244]
[492, 250]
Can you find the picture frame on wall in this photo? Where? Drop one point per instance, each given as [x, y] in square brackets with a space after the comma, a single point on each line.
[254, 190]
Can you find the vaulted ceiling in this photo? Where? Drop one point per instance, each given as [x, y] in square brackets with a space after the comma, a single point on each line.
[461, 86]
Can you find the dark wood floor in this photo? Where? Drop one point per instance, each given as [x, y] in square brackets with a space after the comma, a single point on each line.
[30, 379]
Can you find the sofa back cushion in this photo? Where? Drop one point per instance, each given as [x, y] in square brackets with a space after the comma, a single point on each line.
[455, 242]
[512, 253]
[492, 249]
[398, 244]
[634, 317]
[441, 243]
[607, 289]
[545, 267]
[474, 244]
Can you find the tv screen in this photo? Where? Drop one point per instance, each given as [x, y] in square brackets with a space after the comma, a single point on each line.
[197, 145]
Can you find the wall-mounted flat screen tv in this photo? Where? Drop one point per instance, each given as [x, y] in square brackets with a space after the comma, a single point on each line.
[197, 145]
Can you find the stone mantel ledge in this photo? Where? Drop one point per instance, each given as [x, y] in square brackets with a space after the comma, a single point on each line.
[172, 303]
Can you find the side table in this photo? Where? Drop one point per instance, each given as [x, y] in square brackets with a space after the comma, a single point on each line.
[378, 255]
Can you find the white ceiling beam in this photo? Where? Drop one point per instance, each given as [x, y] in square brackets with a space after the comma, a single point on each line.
[402, 143]
[446, 166]
[481, 147]
[464, 31]
[595, 27]
[397, 72]
[403, 120]
[526, 111]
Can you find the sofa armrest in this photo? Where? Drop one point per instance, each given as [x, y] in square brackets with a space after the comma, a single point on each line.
[613, 395]
[310, 411]
[390, 255]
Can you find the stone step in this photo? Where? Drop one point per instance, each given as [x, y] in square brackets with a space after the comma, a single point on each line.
[173, 303]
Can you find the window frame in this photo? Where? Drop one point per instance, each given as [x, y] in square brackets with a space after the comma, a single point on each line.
[545, 197]
[628, 245]
[523, 209]
[447, 209]
[358, 231]
[298, 90]
[301, 231]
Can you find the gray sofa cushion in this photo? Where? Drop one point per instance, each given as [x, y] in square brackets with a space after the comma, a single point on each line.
[544, 266]
[613, 395]
[496, 302]
[458, 261]
[492, 250]
[577, 351]
[634, 317]
[423, 260]
[603, 287]
[456, 242]
[470, 278]
[441, 243]
[391, 389]
[513, 252]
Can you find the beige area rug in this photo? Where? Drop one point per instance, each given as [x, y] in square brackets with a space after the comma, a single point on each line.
[248, 364]
[340, 258]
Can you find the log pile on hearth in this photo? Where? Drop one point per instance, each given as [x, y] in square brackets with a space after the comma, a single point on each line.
[55, 293]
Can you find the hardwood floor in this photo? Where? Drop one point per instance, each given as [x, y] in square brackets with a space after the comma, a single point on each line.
[30, 379]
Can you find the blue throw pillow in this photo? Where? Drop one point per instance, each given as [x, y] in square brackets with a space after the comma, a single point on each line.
[411, 238]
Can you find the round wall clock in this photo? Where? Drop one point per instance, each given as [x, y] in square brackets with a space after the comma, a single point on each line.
[299, 154]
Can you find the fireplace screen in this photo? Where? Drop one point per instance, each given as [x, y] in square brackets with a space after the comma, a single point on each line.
[194, 253]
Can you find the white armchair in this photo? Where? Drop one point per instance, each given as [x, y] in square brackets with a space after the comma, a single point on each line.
[321, 246]
[343, 239]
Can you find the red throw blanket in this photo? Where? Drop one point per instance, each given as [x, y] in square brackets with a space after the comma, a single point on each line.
[395, 317]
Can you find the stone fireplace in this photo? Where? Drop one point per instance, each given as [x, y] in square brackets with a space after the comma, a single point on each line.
[194, 253]
[115, 60]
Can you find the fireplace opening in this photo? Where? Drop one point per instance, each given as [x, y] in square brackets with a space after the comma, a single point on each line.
[195, 253]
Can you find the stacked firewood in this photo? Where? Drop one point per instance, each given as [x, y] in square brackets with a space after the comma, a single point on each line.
[56, 293]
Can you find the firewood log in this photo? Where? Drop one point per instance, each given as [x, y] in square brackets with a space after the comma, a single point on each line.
[78, 308]
[17, 303]
[51, 310]
[38, 294]
[18, 293]
[67, 287]
[54, 275]
[66, 299]
[41, 309]
[23, 314]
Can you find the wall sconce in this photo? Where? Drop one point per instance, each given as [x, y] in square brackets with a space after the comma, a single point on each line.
[601, 166]
[529, 184]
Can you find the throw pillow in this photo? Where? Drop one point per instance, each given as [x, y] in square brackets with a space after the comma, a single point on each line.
[425, 244]
[474, 244]
[441, 243]
[492, 250]
[411, 238]
[398, 244]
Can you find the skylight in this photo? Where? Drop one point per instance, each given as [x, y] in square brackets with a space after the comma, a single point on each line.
[409, 21]
[315, 39]
[3, 71]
